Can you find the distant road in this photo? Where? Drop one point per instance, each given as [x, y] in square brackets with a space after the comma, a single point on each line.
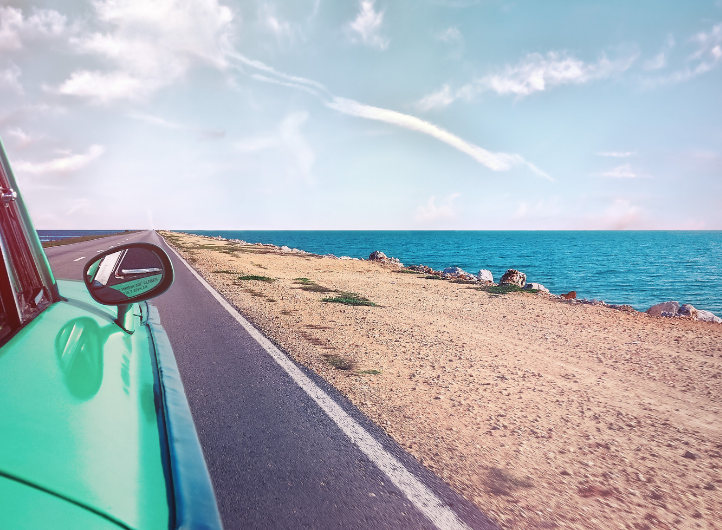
[277, 460]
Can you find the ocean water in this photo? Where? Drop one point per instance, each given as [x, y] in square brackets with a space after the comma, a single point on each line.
[639, 268]
[55, 235]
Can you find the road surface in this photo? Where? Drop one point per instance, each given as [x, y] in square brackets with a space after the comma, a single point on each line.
[276, 458]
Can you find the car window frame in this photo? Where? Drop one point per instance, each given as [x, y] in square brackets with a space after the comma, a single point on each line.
[27, 285]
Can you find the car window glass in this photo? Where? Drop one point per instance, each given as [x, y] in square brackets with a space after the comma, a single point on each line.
[27, 287]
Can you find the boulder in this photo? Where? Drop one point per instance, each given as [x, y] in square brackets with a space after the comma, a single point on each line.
[485, 276]
[380, 257]
[571, 295]
[422, 268]
[456, 273]
[537, 286]
[707, 316]
[513, 277]
[669, 308]
[688, 311]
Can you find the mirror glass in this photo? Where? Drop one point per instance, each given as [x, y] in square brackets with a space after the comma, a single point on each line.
[124, 275]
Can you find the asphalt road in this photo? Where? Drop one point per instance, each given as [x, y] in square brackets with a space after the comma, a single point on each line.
[275, 458]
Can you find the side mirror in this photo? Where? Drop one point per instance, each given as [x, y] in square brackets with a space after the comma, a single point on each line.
[128, 273]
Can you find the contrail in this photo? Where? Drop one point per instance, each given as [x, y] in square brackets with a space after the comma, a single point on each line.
[494, 161]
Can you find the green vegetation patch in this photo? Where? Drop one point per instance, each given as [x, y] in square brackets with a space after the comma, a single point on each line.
[407, 271]
[349, 299]
[506, 289]
[253, 277]
[311, 286]
[433, 277]
[370, 372]
[339, 362]
[224, 272]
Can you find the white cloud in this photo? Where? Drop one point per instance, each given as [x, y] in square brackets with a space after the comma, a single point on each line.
[63, 164]
[436, 100]
[622, 172]
[23, 139]
[705, 58]
[149, 45]
[367, 26]
[451, 35]
[433, 212]
[537, 72]
[494, 161]
[534, 73]
[289, 139]
[15, 27]
[155, 120]
[9, 79]
[617, 154]
[281, 29]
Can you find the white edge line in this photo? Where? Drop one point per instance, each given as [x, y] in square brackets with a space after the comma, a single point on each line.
[441, 515]
[82, 257]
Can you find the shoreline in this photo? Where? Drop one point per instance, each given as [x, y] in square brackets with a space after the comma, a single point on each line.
[540, 411]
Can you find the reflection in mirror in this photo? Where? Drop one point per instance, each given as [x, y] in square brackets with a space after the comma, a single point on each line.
[123, 275]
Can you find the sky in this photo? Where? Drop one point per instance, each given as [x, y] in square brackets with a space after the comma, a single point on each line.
[364, 115]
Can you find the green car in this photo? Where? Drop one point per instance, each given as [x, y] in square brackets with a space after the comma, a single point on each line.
[95, 429]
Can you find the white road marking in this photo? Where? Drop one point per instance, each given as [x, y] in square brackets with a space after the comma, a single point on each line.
[82, 257]
[441, 515]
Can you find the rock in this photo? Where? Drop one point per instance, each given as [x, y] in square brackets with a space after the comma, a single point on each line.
[706, 316]
[687, 310]
[284, 248]
[536, 286]
[670, 308]
[513, 277]
[690, 455]
[422, 268]
[571, 295]
[455, 273]
[485, 276]
[380, 257]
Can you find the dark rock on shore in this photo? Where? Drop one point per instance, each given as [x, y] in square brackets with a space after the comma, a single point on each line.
[380, 257]
[571, 295]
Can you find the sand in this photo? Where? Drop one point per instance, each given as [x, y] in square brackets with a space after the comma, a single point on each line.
[544, 413]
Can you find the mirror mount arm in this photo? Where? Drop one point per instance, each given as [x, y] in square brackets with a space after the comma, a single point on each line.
[125, 318]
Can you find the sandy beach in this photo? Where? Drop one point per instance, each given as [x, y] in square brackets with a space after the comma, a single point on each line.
[544, 413]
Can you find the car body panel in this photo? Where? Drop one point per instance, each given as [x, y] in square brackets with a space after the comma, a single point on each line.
[24, 507]
[78, 411]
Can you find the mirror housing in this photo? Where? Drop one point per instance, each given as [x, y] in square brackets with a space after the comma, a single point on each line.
[127, 274]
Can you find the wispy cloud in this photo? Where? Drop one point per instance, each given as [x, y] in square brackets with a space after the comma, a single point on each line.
[617, 154]
[534, 73]
[155, 120]
[289, 139]
[436, 100]
[622, 172]
[706, 57]
[9, 78]
[23, 139]
[433, 212]
[16, 27]
[366, 27]
[494, 161]
[620, 215]
[67, 163]
[453, 37]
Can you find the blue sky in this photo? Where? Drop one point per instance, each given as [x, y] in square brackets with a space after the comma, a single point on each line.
[436, 114]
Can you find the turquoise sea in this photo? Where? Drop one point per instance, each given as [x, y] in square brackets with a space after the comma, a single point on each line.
[621, 267]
